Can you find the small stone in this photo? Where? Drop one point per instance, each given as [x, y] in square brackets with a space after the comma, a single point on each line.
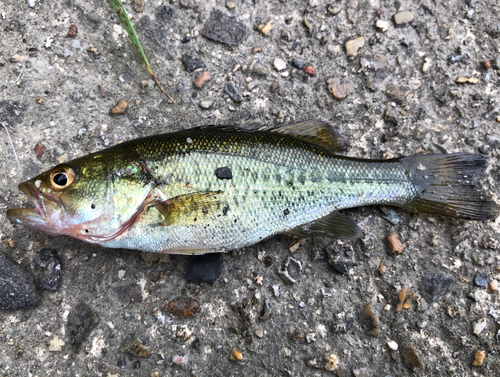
[397, 94]
[403, 17]
[492, 286]
[314, 363]
[265, 29]
[235, 355]
[339, 90]
[134, 346]
[181, 360]
[479, 357]
[104, 92]
[434, 286]
[201, 79]
[313, 3]
[353, 46]
[120, 108]
[56, 344]
[395, 245]
[369, 313]
[310, 70]
[276, 290]
[294, 246]
[225, 29]
[258, 69]
[310, 337]
[471, 80]
[334, 9]
[392, 345]
[17, 289]
[332, 362]
[495, 63]
[298, 64]
[308, 24]
[382, 269]
[390, 215]
[181, 332]
[75, 44]
[265, 312]
[206, 104]
[122, 362]
[481, 279]
[402, 299]
[291, 270]
[49, 273]
[279, 64]
[73, 31]
[383, 25]
[479, 325]
[427, 65]
[230, 5]
[378, 63]
[191, 61]
[138, 5]
[411, 359]
[259, 333]
[341, 257]
[182, 307]
[233, 91]
[121, 274]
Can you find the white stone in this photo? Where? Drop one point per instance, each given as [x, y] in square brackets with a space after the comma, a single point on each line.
[392, 345]
[479, 325]
[279, 64]
[382, 25]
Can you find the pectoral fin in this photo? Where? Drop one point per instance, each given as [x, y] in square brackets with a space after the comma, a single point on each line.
[190, 208]
[333, 225]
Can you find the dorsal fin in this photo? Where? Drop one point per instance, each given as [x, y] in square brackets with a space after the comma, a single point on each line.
[314, 132]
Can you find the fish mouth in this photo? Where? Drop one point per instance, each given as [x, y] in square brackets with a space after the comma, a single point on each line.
[36, 217]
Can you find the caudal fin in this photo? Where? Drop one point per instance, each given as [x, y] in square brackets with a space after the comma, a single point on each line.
[447, 184]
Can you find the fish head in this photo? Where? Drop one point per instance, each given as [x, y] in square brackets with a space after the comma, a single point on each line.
[93, 198]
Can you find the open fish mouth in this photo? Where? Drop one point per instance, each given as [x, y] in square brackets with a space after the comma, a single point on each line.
[34, 217]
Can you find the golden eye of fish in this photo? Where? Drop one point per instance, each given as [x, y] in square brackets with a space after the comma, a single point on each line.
[62, 177]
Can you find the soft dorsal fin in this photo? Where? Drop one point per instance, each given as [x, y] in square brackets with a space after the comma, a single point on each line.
[314, 132]
[333, 225]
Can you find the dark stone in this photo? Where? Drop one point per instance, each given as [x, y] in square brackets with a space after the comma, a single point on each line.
[122, 362]
[12, 112]
[460, 56]
[203, 268]
[135, 346]
[224, 173]
[391, 116]
[181, 88]
[485, 149]
[129, 294]
[165, 13]
[225, 29]
[191, 61]
[81, 320]
[481, 279]
[137, 364]
[434, 286]
[495, 63]
[17, 289]
[233, 91]
[48, 274]
[298, 64]
[186, 40]
[340, 257]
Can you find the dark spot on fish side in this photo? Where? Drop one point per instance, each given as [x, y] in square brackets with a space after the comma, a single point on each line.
[225, 210]
[286, 212]
[204, 210]
[224, 173]
[92, 206]
[86, 230]
[195, 219]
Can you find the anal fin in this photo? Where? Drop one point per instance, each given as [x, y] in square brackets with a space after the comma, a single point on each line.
[335, 225]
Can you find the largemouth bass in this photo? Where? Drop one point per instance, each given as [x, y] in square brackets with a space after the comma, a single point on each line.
[214, 190]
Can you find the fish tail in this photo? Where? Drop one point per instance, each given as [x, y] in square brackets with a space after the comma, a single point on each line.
[447, 184]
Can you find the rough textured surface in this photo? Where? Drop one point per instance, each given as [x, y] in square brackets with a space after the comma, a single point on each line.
[17, 289]
[57, 103]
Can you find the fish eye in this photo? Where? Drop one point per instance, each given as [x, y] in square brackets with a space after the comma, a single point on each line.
[61, 177]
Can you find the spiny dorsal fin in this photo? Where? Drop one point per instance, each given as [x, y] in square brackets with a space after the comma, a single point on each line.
[314, 132]
[333, 225]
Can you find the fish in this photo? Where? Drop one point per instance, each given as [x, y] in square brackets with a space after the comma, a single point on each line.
[216, 189]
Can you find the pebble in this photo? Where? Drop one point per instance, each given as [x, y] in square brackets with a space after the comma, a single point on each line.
[276, 290]
[339, 90]
[201, 79]
[259, 333]
[73, 31]
[181, 360]
[397, 94]
[120, 108]
[479, 357]
[122, 362]
[206, 104]
[225, 29]
[31, 3]
[369, 313]
[382, 269]
[252, 85]
[310, 70]
[17, 289]
[492, 286]
[279, 64]
[233, 91]
[265, 312]
[258, 69]
[230, 5]
[479, 325]
[495, 63]
[332, 362]
[298, 64]
[265, 29]
[182, 307]
[390, 215]
[334, 8]
[427, 64]
[403, 17]
[481, 279]
[353, 46]
[203, 268]
[81, 321]
[75, 44]
[235, 355]
[134, 346]
[310, 337]
[49, 273]
[378, 63]
[383, 25]
[121, 274]
[56, 344]
[392, 345]
[341, 257]
[395, 245]
[434, 286]
[314, 363]
[191, 61]
[412, 361]
[471, 80]
[290, 271]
